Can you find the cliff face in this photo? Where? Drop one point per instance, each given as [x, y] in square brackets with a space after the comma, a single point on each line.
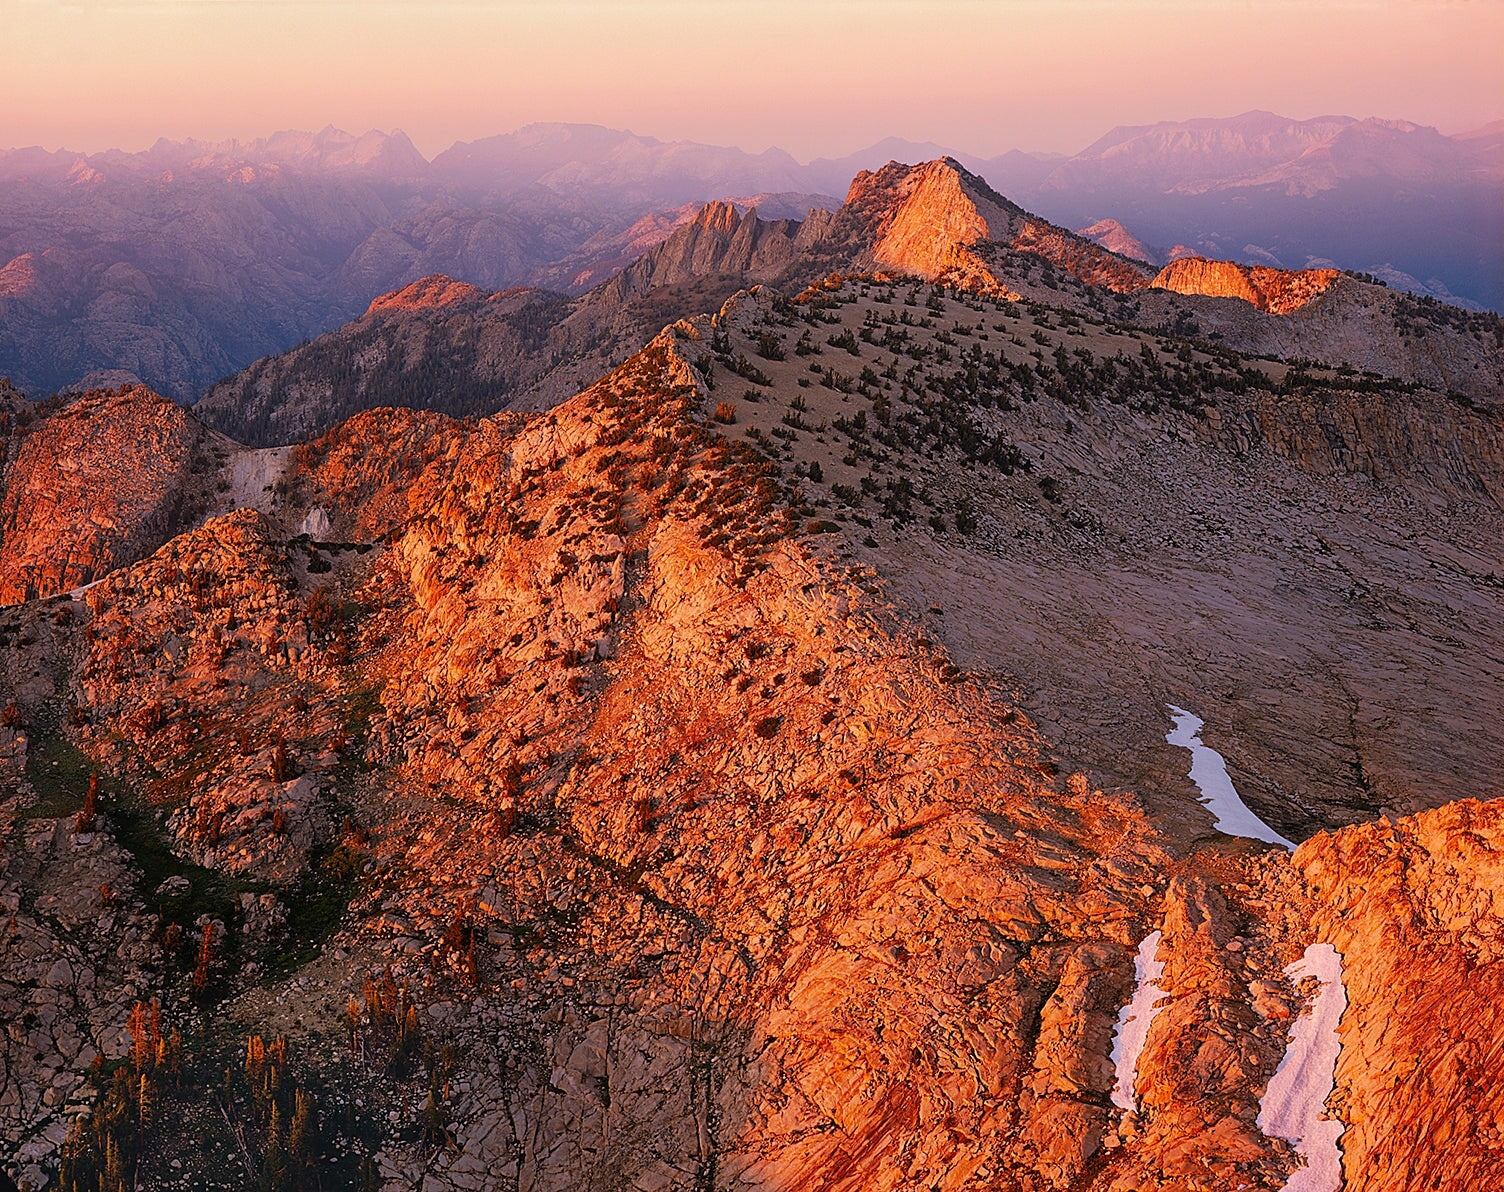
[719, 240]
[1427, 441]
[1277, 291]
[101, 481]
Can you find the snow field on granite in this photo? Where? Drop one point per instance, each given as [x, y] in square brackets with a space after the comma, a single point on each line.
[1295, 1100]
[1209, 773]
[1133, 1022]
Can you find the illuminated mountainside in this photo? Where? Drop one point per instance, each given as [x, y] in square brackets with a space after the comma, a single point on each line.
[750, 771]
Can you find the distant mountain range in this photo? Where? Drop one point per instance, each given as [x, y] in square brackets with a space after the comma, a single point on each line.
[185, 262]
[444, 345]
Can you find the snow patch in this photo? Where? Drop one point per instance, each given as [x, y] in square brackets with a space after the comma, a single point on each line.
[78, 593]
[1133, 1022]
[1295, 1100]
[1209, 773]
[316, 524]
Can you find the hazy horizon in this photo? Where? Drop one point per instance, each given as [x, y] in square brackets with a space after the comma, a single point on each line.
[980, 78]
[829, 154]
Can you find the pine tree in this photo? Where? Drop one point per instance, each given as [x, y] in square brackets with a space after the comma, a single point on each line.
[300, 1137]
[84, 822]
[114, 1166]
[200, 980]
[274, 1165]
[145, 1107]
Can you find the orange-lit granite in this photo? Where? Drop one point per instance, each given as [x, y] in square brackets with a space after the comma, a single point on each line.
[1276, 291]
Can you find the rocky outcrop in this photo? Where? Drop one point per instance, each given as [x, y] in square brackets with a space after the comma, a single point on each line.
[608, 253]
[102, 480]
[719, 240]
[1277, 291]
[12, 401]
[427, 293]
[1415, 907]
[362, 474]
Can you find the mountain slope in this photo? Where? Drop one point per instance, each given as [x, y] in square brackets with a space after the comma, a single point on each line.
[705, 845]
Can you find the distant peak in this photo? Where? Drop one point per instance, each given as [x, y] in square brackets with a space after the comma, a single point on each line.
[718, 215]
[427, 293]
[1274, 291]
[1114, 237]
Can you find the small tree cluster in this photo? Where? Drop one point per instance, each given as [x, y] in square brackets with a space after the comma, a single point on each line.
[391, 1018]
[275, 1121]
[103, 1147]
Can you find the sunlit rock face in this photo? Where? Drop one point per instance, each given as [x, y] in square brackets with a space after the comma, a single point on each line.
[1415, 906]
[1277, 291]
[706, 862]
[101, 481]
[941, 222]
[426, 293]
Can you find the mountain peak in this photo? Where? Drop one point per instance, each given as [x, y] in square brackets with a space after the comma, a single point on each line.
[717, 216]
[1114, 237]
[932, 218]
[939, 221]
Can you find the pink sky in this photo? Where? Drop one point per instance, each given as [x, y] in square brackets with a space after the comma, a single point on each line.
[814, 78]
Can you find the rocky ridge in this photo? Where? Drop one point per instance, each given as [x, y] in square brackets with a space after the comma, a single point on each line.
[686, 835]
[935, 221]
[1277, 291]
[750, 773]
